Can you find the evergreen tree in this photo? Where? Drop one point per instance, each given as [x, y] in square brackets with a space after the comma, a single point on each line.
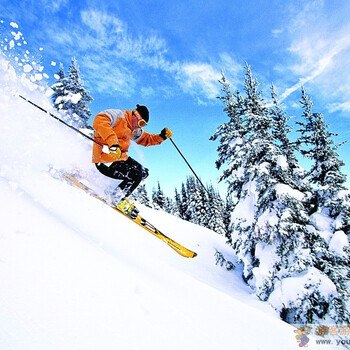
[141, 196]
[169, 206]
[330, 202]
[268, 214]
[271, 231]
[281, 131]
[70, 96]
[178, 205]
[329, 192]
[77, 105]
[59, 89]
[227, 217]
[196, 196]
[158, 198]
[215, 212]
[231, 136]
[183, 204]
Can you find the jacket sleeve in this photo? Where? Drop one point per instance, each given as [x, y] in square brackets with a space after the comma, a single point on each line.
[147, 139]
[103, 128]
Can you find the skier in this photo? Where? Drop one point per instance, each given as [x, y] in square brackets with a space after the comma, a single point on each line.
[115, 128]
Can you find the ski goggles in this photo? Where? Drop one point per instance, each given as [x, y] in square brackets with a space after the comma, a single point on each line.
[140, 121]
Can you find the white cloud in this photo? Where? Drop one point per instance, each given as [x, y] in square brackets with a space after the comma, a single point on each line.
[111, 36]
[53, 6]
[200, 77]
[105, 78]
[147, 92]
[277, 32]
[335, 107]
[102, 23]
[112, 56]
[320, 46]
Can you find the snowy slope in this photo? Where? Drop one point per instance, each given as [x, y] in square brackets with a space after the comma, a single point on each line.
[76, 275]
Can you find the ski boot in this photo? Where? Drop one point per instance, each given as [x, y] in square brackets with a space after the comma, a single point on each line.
[128, 208]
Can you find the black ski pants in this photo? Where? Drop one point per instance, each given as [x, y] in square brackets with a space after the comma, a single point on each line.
[130, 172]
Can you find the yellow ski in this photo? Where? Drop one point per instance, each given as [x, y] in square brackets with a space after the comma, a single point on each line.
[139, 220]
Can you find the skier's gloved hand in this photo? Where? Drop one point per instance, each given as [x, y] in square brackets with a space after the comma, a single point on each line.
[115, 152]
[166, 133]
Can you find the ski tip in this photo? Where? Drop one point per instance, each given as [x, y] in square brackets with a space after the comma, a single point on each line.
[192, 255]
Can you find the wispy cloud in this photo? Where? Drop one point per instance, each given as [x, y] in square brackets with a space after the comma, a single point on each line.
[336, 107]
[53, 6]
[202, 79]
[317, 57]
[320, 48]
[111, 35]
[112, 56]
[200, 76]
[107, 79]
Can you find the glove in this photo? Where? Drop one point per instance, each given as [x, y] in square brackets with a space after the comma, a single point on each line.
[166, 133]
[115, 152]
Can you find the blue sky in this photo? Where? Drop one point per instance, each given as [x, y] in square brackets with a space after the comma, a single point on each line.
[168, 55]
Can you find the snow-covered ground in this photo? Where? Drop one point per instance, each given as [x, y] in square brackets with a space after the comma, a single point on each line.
[76, 275]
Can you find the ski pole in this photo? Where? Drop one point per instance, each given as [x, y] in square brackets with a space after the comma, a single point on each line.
[199, 180]
[60, 120]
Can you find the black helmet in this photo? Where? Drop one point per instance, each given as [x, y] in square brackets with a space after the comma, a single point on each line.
[143, 112]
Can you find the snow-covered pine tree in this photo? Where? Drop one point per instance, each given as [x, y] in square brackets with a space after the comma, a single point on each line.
[281, 131]
[70, 97]
[271, 231]
[77, 104]
[161, 201]
[268, 222]
[158, 198]
[329, 182]
[59, 90]
[227, 217]
[178, 205]
[231, 137]
[215, 207]
[329, 208]
[183, 203]
[196, 196]
[141, 196]
[170, 206]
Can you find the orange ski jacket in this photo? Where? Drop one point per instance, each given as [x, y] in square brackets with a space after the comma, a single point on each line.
[114, 126]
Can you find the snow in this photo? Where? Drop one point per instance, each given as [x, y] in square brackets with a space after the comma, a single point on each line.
[323, 224]
[283, 189]
[267, 257]
[245, 209]
[17, 35]
[75, 98]
[267, 219]
[338, 242]
[282, 162]
[27, 68]
[293, 288]
[77, 275]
